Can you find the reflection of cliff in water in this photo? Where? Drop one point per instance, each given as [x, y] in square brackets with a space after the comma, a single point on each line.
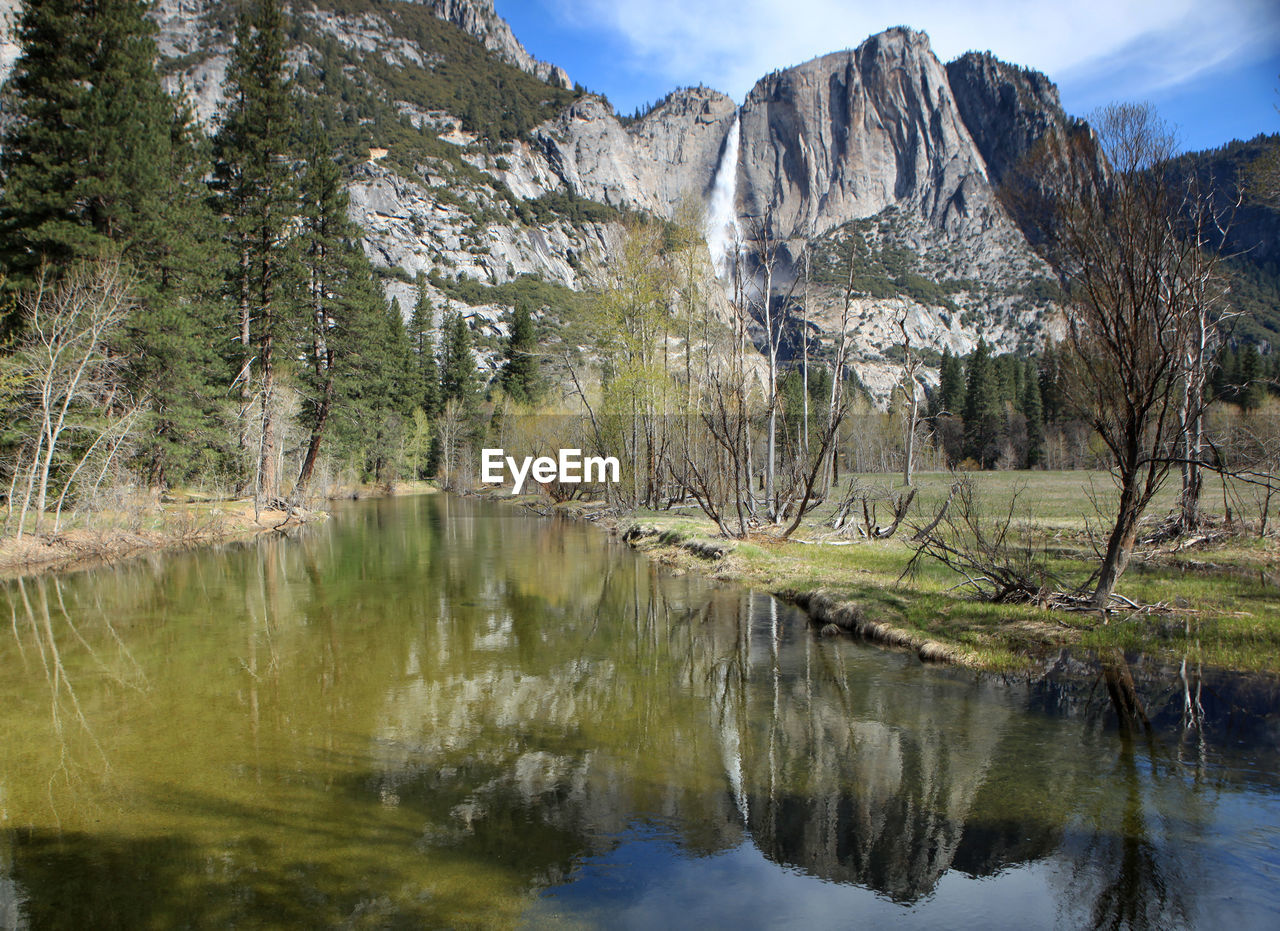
[442, 689]
[858, 781]
[864, 768]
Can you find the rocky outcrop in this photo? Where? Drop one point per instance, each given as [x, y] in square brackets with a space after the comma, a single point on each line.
[1031, 148]
[668, 154]
[680, 140]
[849, 134]
[478, 18]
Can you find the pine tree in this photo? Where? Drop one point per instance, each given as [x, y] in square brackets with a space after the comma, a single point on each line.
[255, 191]
[85, 152]
[173, 357]
[520, 370]
[1252, 389]
[341, 295]
[402, 383]
[423, 340]
[982, 408]
[1008, 374]
[950, 393]
[1033, 410]
[1053, 399]
[458, 377]
[388, 391]
[99, 159]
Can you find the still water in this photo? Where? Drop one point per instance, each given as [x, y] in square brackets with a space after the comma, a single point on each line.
[440, 713]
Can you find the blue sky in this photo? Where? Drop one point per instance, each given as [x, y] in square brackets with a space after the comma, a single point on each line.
[1211, 68]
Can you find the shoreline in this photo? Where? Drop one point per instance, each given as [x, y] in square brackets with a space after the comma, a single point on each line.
[823, 608]
[840, 592]
[171, 525]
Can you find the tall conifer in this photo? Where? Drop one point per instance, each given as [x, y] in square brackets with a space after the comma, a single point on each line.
[459, 380]
[340, 295]
[981, 407]
[255, 192]
[1033, 410]
[520, 368]
[100, 160]
[422, 338]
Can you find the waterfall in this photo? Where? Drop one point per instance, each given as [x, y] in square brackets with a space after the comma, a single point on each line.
[722, 211]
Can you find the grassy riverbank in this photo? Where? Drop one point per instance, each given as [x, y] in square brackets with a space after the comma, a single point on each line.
[180, 520]
[1220, 599]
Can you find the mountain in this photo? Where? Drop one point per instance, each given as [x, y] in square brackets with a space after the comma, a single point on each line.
[469, 159]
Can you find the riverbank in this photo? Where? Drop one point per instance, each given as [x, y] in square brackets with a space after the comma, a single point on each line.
[179, 521]
[1219, 602]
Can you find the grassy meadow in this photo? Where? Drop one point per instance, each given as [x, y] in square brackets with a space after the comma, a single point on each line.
[1216, 602]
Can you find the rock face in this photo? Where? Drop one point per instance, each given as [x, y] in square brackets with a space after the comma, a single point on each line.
[849, 134]
[477, 18]
[1030, 146]
[670, 153]
[883, 135]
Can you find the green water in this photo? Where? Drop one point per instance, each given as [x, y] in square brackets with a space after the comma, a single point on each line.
[438, 713]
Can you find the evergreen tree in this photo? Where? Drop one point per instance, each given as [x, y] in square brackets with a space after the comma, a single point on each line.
[402, 388]
[172, 337]
[99, 160]
[1033, 410]
[386, 410]
[1251, 387]
[1225, 379]
[982, 408]
[458, 377]
[423, 340]
[255, 192]
[520, 370]
[951, 387]
[85, 152]
[1008, 374]
[1053, 398]
[343, 300]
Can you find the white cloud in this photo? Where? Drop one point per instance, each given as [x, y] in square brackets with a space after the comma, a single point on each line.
[729, 44]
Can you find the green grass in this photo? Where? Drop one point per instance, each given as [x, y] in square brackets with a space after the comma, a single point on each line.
[1224, 600]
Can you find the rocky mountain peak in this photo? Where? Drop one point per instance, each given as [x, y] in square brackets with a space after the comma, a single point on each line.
[1015, 117]
[848, 134]
[479, 19]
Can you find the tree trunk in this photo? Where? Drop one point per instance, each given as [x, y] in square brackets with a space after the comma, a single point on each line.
[268, 484]
[317, 435]
[1119, 544]
[1192, 477]
[245, 375]
[913, 413]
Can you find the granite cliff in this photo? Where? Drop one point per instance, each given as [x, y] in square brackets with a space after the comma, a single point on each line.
[881, 144]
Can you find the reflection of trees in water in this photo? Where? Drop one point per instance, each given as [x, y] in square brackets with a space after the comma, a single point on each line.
[855, 777]
[528, 691]
[856, 783]
[61, 644]
[1133, 860]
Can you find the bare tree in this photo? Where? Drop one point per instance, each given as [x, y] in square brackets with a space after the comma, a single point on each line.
[1197, 292]
[718, 473]
[69, 378]
[909, 387]
[1127, 260]
[836, 400]
[766, 250]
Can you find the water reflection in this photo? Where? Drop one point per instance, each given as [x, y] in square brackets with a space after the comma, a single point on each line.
[436, 712]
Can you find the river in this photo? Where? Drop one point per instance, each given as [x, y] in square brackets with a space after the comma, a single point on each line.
[434, 712]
